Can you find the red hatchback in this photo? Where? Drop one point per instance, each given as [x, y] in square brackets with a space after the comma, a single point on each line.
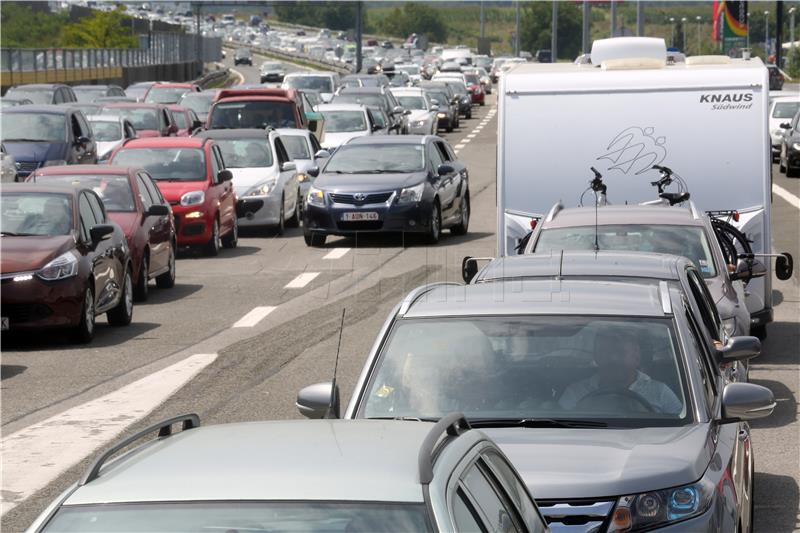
[256, 108]
[133, 202]
[150, 120]
[191, 175]
[476, 91]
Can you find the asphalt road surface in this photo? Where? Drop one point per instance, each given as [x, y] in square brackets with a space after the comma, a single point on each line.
[241, 333]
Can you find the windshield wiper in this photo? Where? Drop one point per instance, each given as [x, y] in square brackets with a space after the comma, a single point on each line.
[407, 418]
[534, 423]
[26, 141]
[13, 234]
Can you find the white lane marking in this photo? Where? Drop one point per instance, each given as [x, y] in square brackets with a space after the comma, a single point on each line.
[302, 280]
[254, 317]
[465, 141]
[786, 195]
[336, 253]
[460, 146]
[238, 75]
[38, 454]
[471, 136]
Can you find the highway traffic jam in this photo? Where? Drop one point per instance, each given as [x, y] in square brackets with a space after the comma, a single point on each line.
[593, 373]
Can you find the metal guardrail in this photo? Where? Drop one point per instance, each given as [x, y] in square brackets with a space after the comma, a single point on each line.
[212, 77]
[290, 57]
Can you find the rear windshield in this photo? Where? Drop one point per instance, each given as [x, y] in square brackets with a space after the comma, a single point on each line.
[234, 516]
[167, 164]
[344, 121]
[33, 213]
[363, 99]
[115, 191]
[320, 83]
[245, 153]
[105, 131]
[43, 96]
[785, 109]
[141, 118]
[256, 114]
[297, 146]
[165, 95]
[34, 127]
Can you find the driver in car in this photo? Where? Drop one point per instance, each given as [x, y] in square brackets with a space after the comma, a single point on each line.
[617, 355]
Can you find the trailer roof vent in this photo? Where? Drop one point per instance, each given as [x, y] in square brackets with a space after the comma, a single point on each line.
[629, 52]
[707, 60]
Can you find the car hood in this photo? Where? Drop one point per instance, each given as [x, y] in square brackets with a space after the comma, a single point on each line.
[367, 182]
[419, 114]
[594, 463]
[147, 133]
[173, 190]
[23, 254]
[128, 221]
[36, 151]
[246, 178]
[334, 140]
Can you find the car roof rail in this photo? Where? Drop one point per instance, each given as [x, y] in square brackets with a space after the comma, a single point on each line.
[164, 429]
[414, 295]
[553, 212]
[451, 425]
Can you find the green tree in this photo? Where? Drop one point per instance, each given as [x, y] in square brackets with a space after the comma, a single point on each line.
[332, 15]
[419, 18]
[103, 29]
[22, 27]
[536, 28]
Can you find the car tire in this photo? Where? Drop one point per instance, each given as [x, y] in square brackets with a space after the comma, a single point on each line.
[483, 104]
[84, 331]
[167, 279]
[140, 290]
[781, 166]
[231, 240]
[759, 331]
[469, 114]
[435, 229]
[281, 220]
[792, 172]
[314, 240]
[462, 227]
[294, 220]
[449, 127]
[213, 245]
[122, 314]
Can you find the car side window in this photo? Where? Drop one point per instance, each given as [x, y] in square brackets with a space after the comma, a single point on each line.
[434, 158]
[440, 147]
[85, 128]
[217, 164]
[76, 127]
[163, 120]
[283, 155]
[155, 194]
[490, 498]
[58, 97]
[706, 369]
[465, 516]
[87, 216]
[315, 146]
[516, 491]
[144, 194]
[705, 302]
[97, 207]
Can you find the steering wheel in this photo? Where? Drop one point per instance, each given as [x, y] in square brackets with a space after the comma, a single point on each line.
[620, 392]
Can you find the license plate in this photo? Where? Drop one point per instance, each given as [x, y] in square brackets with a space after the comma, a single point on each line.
[365, 215]
[4, 325]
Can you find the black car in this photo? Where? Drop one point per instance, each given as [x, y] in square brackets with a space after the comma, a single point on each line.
[408, 184]
[464, 98]
[90, 93]
[243, 56]
[448, 101]
[544, 56]
[380, 97]
[790, 147]
[775, 78]
[39, 135]
[43, 93]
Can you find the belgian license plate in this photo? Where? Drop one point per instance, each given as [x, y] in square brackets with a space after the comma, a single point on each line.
[4, 325]
[359, 216]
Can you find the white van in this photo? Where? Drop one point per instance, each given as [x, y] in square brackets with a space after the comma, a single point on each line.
[705, 118]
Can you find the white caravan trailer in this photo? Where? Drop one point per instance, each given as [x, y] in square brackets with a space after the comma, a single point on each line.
[706, 119]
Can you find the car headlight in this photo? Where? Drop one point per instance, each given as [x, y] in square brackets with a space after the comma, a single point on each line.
[661, 507]
[729, 326]
[441, 115]
[418, 123]
[193, 198]
[262, 190]
[465, 99]
[302, 178]
[411, 194]
[316, 197]
[796, 146]
[63, 266]
[54, 163]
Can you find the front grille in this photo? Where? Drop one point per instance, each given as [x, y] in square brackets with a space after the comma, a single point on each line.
[26, 167]
[21, 313]
[193, 229]
[576, 516]
[369, 198]
[362, 225]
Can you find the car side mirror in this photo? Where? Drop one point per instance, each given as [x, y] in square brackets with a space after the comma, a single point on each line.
[224, 175]
[173, 129]
[786, 126]
[746, 401]
[739, 349]
[100, 232]
[322, 154]
[312, 125]
[197, 124]
[444, 169]
[289, 165]
[320, 400]
[784, 266]
[747, 269]
[407, 112]
[376, 127]
[157, 210]
[82, 140]
[313, 171]
[435, 107]
[398, 110]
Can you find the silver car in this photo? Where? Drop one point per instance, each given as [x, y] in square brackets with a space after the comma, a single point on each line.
[355, 477]
[8, 166]
[602, 393]
[110, 132]
[423, 119]
[306, 152]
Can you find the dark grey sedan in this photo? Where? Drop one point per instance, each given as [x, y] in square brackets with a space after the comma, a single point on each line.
[409, 183]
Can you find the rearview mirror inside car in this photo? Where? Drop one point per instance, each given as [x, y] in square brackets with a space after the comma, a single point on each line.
[746, 401]
[158, 210]
[784, 266]
[100, 232]
[320, 400]
[740, 349]
[224, 175]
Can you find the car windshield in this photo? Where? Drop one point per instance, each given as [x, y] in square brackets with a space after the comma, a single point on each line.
[313, 98]
[180, 119]
[197, 102]
[245, 153]
[412, 102]
[137, 91]
[141, 118]
[235, 516]
[256, 114]
[88, 94]
[620, 371]
[344, 121]
[168, 164]
[165, 95]
[411, 69]
[271, 66]
[34, 127]
[115, 191]
[320, 83]
[35, 213]
[441, 98]
[785, 109]
[364, 99]
[687, 241]
[42, 96]
[377, 158]
[105, 131]
[472, 79]
[297, 146]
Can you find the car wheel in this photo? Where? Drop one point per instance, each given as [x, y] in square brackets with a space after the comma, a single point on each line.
[314, 239]
[84, 332]
[483, 103]
[759, 331]
[449, 127]
[231, 240]
[469, 114]
[294, 220]
[781, 166]
[122, 314]
[141, 288]
[792, 172]
[281, 220]
[214, 244]
[462, 227]
[435, 230]
[167, 279]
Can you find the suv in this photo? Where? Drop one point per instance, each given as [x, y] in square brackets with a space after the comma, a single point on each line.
[258, 108]
[636, 427]
[243, 56]
[368, 476]
[43, 93]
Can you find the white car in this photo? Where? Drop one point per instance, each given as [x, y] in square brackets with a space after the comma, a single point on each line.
[324, 82]
[8, 166]
[423, 119]
[781, 110]
[442, 76]
[264, 176]
[342, 122]
[110, 132]
[414, 72]
[305, 150]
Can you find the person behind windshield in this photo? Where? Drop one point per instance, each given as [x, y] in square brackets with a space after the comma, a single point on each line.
[53, 220]
[618, 356]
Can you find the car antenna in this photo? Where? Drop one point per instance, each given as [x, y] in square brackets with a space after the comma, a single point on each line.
[333, 406]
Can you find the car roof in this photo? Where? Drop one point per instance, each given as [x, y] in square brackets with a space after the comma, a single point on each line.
[165, 142]
[628, 215]
[93, 86]
[617, 264]
[539, 297]
[389, 139]
[293, 131]
[354, 460]
[84, 170]
[310, 73]
[237, 133]
[39, 108]
[133, 105]
[408, 90]
[362, 90]
[106, 118]
[39, 86]
[340, 107]
[36, 187]
[174, 85]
